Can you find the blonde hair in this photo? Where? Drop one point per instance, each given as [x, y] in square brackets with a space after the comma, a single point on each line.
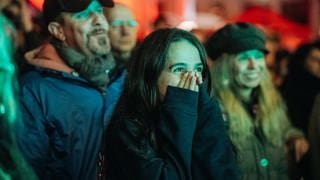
[271, 116]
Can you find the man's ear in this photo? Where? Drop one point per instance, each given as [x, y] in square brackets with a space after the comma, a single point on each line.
[56, 30]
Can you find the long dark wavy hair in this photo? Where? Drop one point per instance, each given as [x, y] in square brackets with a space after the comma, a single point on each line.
[140, 100]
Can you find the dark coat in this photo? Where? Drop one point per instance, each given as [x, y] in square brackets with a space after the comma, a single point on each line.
[63, 119]
[192, 142]
[299, 90]
[314, 136]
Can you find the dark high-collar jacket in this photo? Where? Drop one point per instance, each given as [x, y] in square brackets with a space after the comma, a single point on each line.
[192, 142]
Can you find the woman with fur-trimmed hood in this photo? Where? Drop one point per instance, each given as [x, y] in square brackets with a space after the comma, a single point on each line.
[253, 109]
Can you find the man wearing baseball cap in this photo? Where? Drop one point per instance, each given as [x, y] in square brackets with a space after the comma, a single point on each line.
[69, 95]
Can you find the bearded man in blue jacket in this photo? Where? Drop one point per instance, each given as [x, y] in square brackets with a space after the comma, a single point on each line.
[69, 95]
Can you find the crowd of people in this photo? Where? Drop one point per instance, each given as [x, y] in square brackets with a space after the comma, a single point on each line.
[88, 101]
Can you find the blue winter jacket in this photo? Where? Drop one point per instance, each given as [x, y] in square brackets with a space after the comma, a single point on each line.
[63, 118]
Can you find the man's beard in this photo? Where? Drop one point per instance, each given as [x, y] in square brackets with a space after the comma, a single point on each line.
[98, 44]
[94, 68]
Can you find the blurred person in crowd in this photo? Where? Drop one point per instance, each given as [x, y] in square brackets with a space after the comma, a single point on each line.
[27, 37]
[69, 96]
[276, 58]
[6, 39]
[165, 20]
[19, 13]
[122, 33]
[201, 34]
[314, 136]
[165, 125]
[161, 22]
[302, 83]
[253, 110]
[280, 67]
[273, 44]
[300, 88]
[8, 29]
[12, 164]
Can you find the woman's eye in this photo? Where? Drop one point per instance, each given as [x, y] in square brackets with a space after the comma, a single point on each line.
[179, 69]
[199, 69]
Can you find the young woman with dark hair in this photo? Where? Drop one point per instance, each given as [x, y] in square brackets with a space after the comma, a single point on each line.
[166, 126]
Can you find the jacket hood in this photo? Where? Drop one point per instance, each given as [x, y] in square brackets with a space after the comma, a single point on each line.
[46, 56]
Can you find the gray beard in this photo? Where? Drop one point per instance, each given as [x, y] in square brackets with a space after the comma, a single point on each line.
[98, 45]
[94, 69]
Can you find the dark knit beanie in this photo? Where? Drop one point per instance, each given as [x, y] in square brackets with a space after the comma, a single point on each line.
[235, 38]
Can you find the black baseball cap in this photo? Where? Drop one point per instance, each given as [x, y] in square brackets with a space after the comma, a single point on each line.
[52, 8]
